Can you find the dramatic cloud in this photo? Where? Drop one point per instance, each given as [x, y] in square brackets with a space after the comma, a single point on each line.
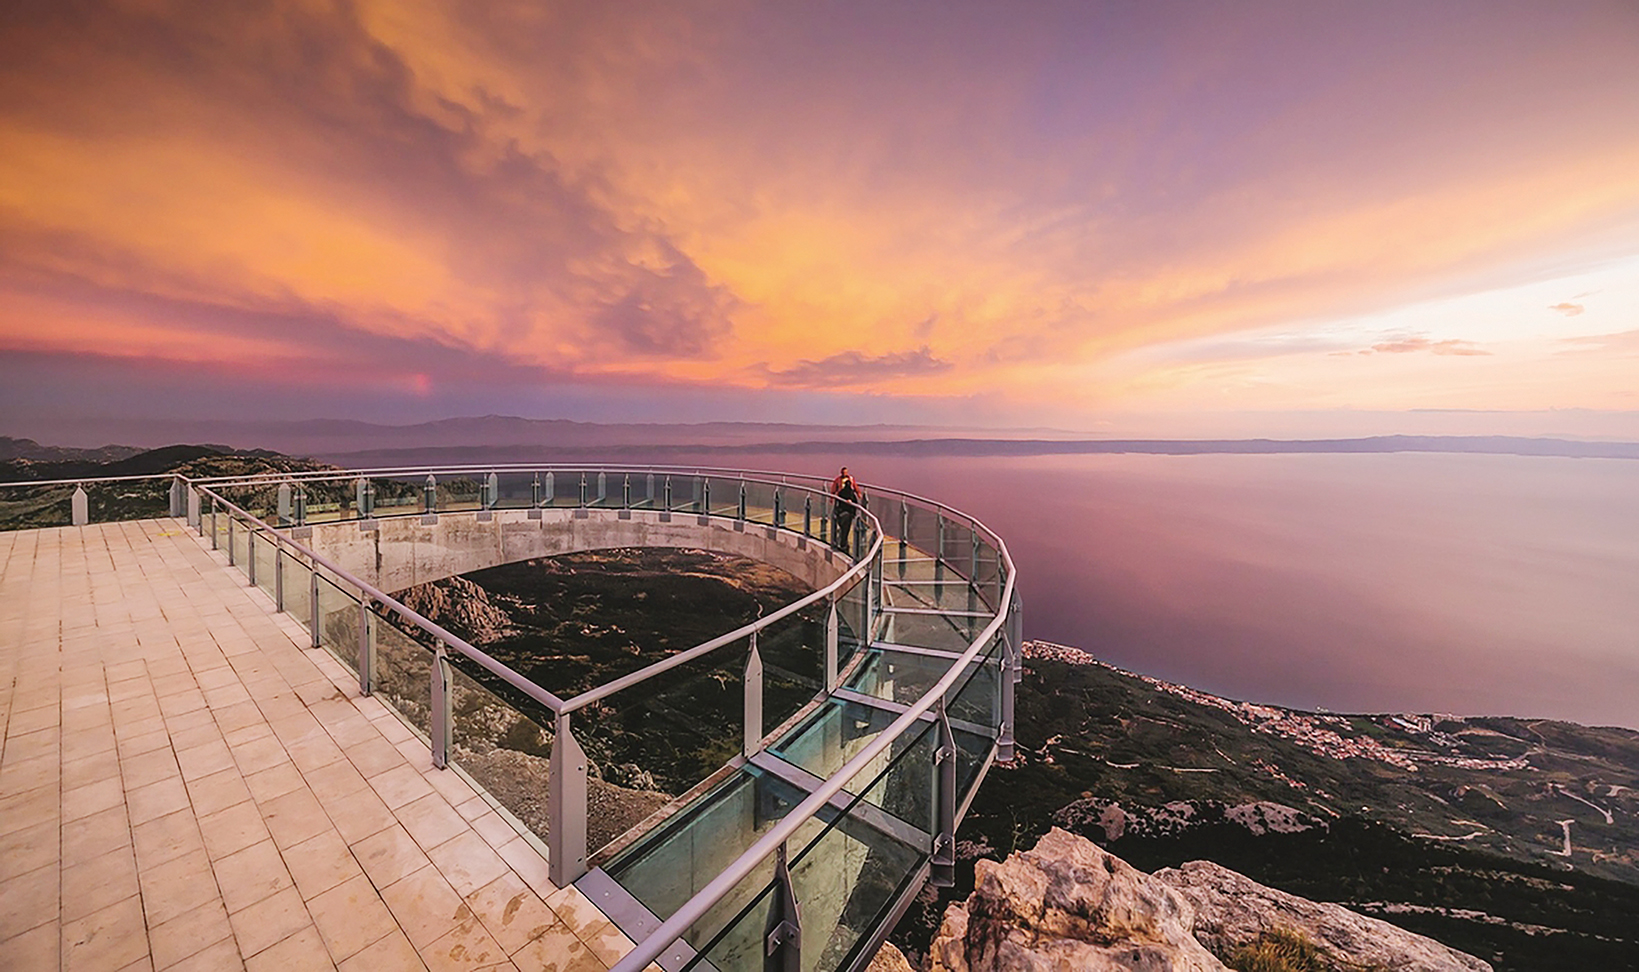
[851, 368]
[426, 194]
[1414, 344]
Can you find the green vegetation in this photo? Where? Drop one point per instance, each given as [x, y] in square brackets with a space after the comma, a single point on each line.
[1281, 950]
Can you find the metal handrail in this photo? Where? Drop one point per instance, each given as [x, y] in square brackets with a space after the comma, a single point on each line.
[559, 706]
[673, 928]
[86, 479]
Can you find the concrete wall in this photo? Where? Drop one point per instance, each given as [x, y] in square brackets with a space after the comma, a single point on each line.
[402, 552]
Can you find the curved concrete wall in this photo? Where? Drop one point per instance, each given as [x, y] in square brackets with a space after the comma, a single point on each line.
[401, 552]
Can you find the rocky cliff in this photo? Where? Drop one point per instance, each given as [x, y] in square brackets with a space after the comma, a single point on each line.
[1068, 904]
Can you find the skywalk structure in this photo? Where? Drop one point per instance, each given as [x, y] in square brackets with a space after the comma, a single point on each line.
[867, 712]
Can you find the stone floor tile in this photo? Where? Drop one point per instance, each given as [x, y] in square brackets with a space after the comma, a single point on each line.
[237, 716]
[232, 829]
[294, 817]
[29, 900]
[147, 742]
[393, 951]
[149, 767]
[512, 912]
[93, 836]
[111, 938]
[188, 933]
[431, 821]
[82, 801]
[24, 850]
[98, 883]
[467, 862]
[336, 780]
[218, 791]
[177, 886]
[38, 948]
[389, 855]
[274, 781]
[251, 875]
[528, 864]
[269, 921]
[248, 734]
[558, 949]
[89, 769]
[221, 957]
[157, 799]
[20, 811]
[351, 916]
[320, 863]
[358, 815]
[301, 952]
[166, 838]
[17, 775]
[399, 786]
[425, 905]
[311, 752]
[466, 946]
[200, 761]
[374, 755]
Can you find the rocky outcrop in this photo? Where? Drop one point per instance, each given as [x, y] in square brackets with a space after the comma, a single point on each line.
[460, 605]
[1233, 911]
[889, 959]
[1068, 904]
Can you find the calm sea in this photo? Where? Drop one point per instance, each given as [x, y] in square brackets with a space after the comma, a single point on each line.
[1415, 582]
[1492, 585]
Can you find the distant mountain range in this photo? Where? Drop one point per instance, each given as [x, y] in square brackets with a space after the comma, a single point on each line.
[495, 438]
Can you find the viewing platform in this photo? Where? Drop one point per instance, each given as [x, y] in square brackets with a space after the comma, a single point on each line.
[228, 742]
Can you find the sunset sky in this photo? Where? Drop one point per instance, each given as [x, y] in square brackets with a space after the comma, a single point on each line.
[992, 214]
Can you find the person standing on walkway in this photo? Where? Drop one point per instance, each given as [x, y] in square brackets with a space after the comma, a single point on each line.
[848, 500]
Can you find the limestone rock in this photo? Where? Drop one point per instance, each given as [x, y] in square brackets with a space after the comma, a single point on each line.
[889, 959]
[1231, 910]
[1067, 904]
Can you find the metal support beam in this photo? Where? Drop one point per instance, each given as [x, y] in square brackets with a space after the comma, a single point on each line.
[753, 700]
[782, 939]
[442, 697]
[566, 807]
[367, 649]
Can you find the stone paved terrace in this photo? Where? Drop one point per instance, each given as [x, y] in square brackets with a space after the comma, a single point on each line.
[185, 785]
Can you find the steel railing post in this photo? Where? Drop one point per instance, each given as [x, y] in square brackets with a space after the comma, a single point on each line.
[178, 507]
[194, 519]
[942, 868]
[535, 491]
[832, 679]
[705, 498]
[299, 506]
[492, 491]
[429, 495]
[779, 508]
[582, 489]
[667, 499]
[313, 604]
[753, 700]
[367, 648]
[79, 506]
[782, 942]
[648, 490]
[566, 807]
[904, 534]
[550, 489]
[278, 578]
[286, 511]
[1004, 676]
[626, 492]
[250, 553]
[231, 562]
[741, 511]
[603, 488]
[442, 698]
[214, 543]
[808, 515]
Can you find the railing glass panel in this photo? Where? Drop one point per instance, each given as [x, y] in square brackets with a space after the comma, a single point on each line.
[793, 654]
[509, 753]
[339, 623]
[265, 549]
[403, 673]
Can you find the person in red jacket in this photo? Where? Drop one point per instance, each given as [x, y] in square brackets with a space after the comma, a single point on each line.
[848, 500]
